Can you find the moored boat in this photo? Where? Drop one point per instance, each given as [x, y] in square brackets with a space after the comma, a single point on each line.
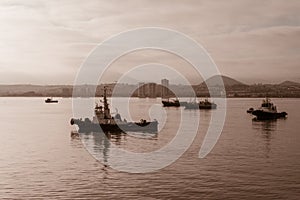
[50, 100]
[268, 111]
[206, 104]
[173, 103]
[104, 122]
[192, 105]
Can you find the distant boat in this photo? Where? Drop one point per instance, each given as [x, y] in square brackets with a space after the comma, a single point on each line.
[172, 103]
[108, 123]
[206, 104]
[50, 100]
[268, 111]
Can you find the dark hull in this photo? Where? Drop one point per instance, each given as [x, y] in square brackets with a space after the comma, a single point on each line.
[170, 104]
[262, 115]
[53, 101]
[88, 126]
[199, 106]
[212, 106]
[173, 104]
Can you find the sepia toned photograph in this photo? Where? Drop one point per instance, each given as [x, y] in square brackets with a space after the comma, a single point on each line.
[141, 99]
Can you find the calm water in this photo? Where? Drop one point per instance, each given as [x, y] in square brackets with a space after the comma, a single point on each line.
[252, 160]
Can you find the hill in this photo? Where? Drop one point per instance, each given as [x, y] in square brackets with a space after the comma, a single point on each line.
[228, 82]
[289, 83]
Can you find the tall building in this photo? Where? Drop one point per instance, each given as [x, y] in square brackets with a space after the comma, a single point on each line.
[165, 88]
[142, 90]
[147, 90]
[151, 90]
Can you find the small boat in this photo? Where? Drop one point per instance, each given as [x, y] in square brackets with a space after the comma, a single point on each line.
[173, 103]
[50, 100]
[250, 110]
[192, 105]
[268, 111]
[206, 104]
[104, 122]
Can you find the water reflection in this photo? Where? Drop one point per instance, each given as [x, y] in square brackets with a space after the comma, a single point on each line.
[266, 129]
[99, 144]
[143, 136]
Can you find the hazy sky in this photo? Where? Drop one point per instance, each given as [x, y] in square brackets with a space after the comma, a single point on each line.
[45, 42]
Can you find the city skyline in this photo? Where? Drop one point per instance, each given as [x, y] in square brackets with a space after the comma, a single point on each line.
[164, 89]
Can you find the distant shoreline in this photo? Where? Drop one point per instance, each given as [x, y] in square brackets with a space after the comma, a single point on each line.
[231, 88]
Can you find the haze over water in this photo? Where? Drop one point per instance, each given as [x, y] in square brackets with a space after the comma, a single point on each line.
[252, 160]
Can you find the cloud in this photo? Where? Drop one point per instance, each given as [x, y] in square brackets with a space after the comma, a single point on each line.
[268, 55]
[39, 36]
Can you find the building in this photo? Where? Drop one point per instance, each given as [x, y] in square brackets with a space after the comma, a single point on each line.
[141, 90]
[151, 90]
[147, 90]
[165, 88]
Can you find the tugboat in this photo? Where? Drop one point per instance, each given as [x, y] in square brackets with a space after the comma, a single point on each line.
[50, 100]
[173, 103]
[207, 104]
[103, 121]
[268, 111]
[201, 105]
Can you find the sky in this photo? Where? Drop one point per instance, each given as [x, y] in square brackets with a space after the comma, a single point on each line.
[46, 42]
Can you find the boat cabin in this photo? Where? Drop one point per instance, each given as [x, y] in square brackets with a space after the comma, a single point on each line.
[267, 104]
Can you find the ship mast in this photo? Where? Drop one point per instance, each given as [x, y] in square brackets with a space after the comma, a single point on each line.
[106, 108]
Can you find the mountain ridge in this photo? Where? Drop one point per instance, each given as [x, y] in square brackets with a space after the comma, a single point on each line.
[234, 88]
[289, 83]
[228, 81]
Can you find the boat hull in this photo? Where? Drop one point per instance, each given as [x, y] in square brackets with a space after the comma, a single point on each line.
[170, 104]
[199, 106]
[213, 106]
[173, 104]
[263, 115]
[86, 126]
[53, 101]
